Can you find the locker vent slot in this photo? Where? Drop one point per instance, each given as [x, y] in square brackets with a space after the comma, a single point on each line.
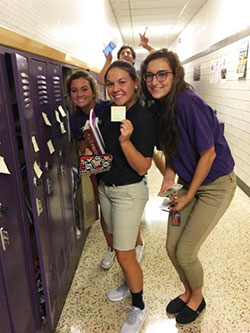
[57, 88]
[61, 263]
[90, 209]
[41, 82]
[70, 240]
[26, 89]
[51, 295]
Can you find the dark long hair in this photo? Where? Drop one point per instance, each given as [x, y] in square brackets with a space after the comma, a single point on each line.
[168, 124]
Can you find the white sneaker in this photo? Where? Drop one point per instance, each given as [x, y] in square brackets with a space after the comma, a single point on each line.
[108, 258]
[139, 252]
[119, 293]
[135, 320]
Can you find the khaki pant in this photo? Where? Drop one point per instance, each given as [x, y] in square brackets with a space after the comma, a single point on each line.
[198, 219]
[122, 208]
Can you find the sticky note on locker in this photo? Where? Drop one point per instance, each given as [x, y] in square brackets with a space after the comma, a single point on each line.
[46, 119]
[50, 146]
[3, 167]
[34, 143]
[57, 116]
[37, 169]
[62, 128]
[61, 110]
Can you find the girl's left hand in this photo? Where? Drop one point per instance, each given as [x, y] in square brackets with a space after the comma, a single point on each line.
[88, 152]
[126, 130]
[179, 203]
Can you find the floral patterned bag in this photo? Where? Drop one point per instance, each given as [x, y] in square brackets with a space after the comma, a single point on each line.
[92, 164]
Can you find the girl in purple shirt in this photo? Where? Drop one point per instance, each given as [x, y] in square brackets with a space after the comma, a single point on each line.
[195, 150]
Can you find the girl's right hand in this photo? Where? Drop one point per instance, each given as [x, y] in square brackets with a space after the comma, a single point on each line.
[166, 185]
[88, 152]
[109, 57]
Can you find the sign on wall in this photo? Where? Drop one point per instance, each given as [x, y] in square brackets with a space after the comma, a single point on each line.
[197, 72]
[242, 64]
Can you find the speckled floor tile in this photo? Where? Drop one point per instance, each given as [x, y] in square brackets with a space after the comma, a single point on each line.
[226, 260]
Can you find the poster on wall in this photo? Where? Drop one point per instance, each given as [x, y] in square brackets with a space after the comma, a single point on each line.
[223, 71]
[242, 64]
[197, 73]
[216, 71]
[211, 77]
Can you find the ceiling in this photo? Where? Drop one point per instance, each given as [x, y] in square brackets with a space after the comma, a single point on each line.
[165, 19]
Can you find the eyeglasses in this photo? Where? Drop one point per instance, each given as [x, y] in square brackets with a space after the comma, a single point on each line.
[161, 76]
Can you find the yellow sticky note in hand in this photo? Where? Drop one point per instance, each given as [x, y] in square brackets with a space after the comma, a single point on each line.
[118, 113]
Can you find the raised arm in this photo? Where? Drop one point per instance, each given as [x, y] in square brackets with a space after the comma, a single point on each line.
[101, 75]
[144, 41]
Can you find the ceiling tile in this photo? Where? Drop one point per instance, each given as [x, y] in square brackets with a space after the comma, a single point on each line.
[165, 19]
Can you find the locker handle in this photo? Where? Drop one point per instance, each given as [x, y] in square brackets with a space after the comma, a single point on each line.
[47, 165]
[49, 186]
[3, 210]
[5, 240]
[61, 171]
[37, 182]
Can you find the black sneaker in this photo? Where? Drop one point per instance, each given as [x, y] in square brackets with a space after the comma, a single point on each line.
[187, 315]
[175, 306]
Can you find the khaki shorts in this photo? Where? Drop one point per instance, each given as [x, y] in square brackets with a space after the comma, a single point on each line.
[122, 208]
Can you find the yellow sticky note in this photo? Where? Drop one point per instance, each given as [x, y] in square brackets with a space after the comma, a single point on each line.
[46, 119]
[118, 113]
[3, 166]
[37, 169]
[50, 146]
[34, 143]
[61, 110]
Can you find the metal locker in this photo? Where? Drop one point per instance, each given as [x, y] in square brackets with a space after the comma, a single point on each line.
[63, 145]
[4, 314]
[51, 170]
[16, 271]
[35, 169]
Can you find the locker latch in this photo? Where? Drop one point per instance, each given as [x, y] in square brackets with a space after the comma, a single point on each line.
[49, 186]
[4, 237]
[3, 210]
[47, 166]
[39, 207]
[37, 182]
[62, 170]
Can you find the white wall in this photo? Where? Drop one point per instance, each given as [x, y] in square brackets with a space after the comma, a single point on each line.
[75, 27]
[216, 20]
[230, 98]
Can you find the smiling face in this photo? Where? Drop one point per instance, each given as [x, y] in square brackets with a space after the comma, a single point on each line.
[126, 54]
[81, 94]
[159, 89]
[121, 87]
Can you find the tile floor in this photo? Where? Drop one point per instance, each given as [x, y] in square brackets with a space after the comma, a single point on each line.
[226, 260]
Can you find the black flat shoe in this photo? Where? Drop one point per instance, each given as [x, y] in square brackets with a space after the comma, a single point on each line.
[187, 315]
[175, 306]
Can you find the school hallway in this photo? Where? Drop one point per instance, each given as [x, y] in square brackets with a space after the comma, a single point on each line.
[225, 257]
